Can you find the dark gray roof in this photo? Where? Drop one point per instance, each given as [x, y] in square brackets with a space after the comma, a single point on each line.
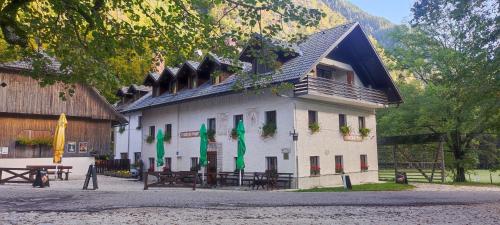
[312, 49]
[138, 88]
[52, 64]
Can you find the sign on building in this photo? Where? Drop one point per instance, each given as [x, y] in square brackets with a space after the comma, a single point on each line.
[4, 150]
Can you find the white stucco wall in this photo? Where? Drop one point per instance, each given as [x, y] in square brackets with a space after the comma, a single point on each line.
[192, 114]
[328, 142]
[130, 140]
[80, 164]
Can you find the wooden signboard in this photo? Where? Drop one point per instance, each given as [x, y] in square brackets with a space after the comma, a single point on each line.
[190, 134]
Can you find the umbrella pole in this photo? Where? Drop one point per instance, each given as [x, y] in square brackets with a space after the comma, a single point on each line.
[203, 176]
[240, 177]
[55, 174]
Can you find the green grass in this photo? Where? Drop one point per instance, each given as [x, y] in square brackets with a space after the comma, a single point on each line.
[364, 187]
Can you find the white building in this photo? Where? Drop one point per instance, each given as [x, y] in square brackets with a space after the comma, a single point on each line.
[338, 81]
[128, 137]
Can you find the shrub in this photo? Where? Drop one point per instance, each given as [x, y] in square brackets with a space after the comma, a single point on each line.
[314, 127]
[345, 130]
[364, 132]
[211, 135]
[150, 139]
[268, 130]
[42, 141]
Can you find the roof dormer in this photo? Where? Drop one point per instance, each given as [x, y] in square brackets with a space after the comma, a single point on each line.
[187, 75]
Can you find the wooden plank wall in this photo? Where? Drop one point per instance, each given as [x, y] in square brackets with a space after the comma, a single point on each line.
[24, 95]
[96, 132]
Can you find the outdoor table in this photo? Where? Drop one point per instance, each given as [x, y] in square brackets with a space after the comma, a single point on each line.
[260, 179]
[59, 172]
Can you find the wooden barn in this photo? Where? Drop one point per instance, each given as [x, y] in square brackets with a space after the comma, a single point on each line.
[29, 112]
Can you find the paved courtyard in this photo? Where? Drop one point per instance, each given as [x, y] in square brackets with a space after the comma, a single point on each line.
[120, 201]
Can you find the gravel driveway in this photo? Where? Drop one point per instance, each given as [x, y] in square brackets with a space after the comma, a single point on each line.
[121, 201]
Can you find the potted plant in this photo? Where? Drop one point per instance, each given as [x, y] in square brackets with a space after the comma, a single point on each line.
[339, 168]
[364, 167]
[364, 132]
[167, 137]
[315, 170]
[234, 134]
[211, 135]
[150, 139]
[314, 127]
[268, 130]
[121, 129]
[345, 130]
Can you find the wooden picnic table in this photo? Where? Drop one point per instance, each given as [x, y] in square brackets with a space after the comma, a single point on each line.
[60, 170]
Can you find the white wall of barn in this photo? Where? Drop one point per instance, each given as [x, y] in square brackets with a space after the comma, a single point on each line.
[192, 114]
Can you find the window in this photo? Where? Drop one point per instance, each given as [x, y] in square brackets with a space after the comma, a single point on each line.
[194, 164]
[272, 164]
[168, 132]
[313, 117]
[236, 120]
[168, 164]
[211, 124]
[271, 117]
[123, 155]
[342, 120]
[286, 156]
[361, 121]
[364, 162]
[137, 157]
[151, 164]
[324, 72]
[152, 131]
[139, 122]
[339, 164]
[315, 169]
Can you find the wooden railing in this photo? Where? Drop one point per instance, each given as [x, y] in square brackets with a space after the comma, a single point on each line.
[331, 87]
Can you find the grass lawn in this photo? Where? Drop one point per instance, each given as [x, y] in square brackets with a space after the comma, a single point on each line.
[473, 176]
[364, 187]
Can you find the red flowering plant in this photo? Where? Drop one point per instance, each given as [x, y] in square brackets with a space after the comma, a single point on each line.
[315, 170]
[339, 168]
[364, 166]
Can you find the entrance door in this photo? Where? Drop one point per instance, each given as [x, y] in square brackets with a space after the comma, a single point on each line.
[212, 168]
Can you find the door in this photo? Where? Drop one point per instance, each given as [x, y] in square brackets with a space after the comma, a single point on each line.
[212, 168]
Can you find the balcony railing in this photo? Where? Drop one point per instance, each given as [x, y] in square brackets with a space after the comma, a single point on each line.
[311, 85]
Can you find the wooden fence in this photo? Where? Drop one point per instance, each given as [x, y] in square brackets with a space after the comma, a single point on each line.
[112, 165]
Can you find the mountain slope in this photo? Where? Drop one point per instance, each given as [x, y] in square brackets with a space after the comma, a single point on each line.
[377, 26]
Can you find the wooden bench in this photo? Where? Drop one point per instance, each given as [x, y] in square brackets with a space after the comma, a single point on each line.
[51, 170]
[23, 175]
[172, 179]
[257, 179]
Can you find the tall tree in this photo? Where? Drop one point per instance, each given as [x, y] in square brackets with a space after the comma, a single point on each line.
[90, 36]
[452, 49]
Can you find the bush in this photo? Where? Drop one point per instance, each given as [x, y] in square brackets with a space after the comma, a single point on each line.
[268, 130]
[345, 130]
[42, 141]
[364, 132]
[314, 127]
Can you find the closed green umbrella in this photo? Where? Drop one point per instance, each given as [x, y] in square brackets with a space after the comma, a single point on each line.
[160, 149]
[240, 161]
[203, 148]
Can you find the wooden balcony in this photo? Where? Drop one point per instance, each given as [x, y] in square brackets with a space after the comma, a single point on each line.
[339, 92]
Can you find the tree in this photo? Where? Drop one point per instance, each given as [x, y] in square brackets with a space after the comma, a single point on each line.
[452, 50]
[91, 37]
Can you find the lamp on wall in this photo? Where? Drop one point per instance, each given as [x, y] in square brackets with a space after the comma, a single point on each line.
[294, 135]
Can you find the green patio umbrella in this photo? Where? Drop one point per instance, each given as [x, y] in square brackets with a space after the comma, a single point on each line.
[203, 149]
[160, 149]
[240, 161]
